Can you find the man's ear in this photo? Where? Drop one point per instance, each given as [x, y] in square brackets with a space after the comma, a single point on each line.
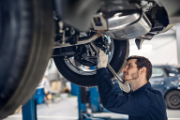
[143, 70]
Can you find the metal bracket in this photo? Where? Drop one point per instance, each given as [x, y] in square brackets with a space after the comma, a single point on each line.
[139, 43]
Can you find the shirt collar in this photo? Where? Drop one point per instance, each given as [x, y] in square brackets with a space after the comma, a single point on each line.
[144, 87]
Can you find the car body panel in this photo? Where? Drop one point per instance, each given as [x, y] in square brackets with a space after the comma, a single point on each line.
[170, 80]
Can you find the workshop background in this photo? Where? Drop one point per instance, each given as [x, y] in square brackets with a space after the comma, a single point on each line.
[61, 100]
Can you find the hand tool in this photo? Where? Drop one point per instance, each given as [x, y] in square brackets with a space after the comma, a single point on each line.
[123, 85]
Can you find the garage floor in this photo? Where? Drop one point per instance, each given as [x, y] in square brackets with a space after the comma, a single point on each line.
[67, 110]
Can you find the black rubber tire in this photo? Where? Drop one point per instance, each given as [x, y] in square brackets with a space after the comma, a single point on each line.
[26, 41]
[168, 98]
[117, 62]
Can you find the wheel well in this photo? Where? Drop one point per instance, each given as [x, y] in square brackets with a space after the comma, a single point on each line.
[170, 91]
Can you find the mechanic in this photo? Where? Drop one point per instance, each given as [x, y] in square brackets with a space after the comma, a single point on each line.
[143, 102]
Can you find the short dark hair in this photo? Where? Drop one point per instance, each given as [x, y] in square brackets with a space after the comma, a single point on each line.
[143, 62]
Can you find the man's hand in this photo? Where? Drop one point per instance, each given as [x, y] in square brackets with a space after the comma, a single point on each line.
[102, 59]
[102, 63]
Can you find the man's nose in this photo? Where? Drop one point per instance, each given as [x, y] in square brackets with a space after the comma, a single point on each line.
[124, 69]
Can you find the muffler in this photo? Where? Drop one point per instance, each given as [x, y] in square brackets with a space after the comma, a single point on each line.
[122, 27]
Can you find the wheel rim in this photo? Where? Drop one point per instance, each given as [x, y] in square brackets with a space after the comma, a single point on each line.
[88, 70]
[175, 100]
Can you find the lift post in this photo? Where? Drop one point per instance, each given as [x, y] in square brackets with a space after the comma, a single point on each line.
[95, 105]
[95, 100]
[29, 109]
[81, 105]
[82, 109]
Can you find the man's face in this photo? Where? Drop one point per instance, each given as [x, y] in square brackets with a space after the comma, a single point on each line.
[130, 71]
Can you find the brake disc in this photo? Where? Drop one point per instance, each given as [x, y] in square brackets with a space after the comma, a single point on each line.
[88, 56]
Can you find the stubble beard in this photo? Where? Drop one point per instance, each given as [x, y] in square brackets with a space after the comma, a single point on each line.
[135, 75]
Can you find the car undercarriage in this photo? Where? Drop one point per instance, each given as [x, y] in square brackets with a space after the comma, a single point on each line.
[33, 31]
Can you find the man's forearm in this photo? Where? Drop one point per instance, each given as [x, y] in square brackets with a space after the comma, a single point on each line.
[104, 79]
[105, 85]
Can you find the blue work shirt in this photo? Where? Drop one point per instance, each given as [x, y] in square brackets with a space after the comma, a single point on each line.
[145, 103]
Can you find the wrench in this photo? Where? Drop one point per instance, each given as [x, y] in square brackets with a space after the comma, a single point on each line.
[124, 86]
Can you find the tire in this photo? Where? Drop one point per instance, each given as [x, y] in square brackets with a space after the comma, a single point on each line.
[26, 41]
[121, 52]
[173, 99]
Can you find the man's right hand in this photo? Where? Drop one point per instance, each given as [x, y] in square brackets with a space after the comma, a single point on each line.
[102, 59]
